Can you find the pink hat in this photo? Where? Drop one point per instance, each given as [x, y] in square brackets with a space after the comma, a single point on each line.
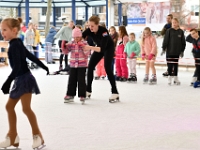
[76, 32]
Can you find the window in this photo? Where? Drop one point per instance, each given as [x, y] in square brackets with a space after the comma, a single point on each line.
[44, 11]
[58, 11]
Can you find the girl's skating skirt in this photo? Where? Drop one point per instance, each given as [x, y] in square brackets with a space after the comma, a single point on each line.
[25, 83]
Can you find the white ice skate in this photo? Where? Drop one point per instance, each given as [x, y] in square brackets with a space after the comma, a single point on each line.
[153, 80]
[68, 99]
[38, 143]
[146, 79]
[194, 79]
[169, 80]
[5, 144]
[82, 99]
[88, 95]
[114, 98]
[176, 81]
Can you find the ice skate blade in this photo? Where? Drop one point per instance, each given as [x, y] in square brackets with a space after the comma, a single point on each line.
[152, 83]
[131, 81]
[114, 100]
[11, 148]
[68, 101]
[177, 83]
[40, 147]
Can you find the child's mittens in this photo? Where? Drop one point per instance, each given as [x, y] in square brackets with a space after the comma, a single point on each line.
[143, 56]
[125, 55]
[150, 56]
[132, 55]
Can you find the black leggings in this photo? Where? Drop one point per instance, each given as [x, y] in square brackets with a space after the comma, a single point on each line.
[108, 59]
[77, 75]
[62, 55]
[172, 63]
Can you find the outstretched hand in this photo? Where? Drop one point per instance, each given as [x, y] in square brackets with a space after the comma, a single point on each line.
[47, 70]
[6, 86]
[86, 48]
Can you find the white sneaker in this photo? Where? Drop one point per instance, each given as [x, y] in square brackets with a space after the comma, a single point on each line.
[7, 142]
[169, 80]
[38, 143]
[114, 98]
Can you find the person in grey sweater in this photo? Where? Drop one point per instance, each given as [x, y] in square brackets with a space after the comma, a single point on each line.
[64, 34]
[29, 38]
[174, 45]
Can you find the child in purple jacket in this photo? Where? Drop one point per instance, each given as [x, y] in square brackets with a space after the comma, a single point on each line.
[78, 65]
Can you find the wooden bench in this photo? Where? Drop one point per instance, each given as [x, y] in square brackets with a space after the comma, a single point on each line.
[4, 44]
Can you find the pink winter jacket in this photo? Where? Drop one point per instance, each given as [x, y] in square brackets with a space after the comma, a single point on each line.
[149, 46]
[79, 57]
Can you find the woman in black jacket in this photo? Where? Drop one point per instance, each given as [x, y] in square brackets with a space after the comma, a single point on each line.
[174, 45]
[104, 48]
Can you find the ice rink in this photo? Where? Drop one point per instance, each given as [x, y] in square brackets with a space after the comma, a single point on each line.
[148, 117]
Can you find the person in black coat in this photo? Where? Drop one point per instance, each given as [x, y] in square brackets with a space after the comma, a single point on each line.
[174, 45]
[167, 26]
[104, 48]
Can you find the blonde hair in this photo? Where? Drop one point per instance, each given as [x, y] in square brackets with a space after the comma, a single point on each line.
[112, 27]
[95, 19]
[145, 29]
[133, 34]
[175, 19]
[29, 24]
[13, 23]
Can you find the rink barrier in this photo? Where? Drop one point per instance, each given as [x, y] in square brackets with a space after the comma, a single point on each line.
[139, 59]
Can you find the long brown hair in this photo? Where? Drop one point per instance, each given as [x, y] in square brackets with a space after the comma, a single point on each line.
[123, 31]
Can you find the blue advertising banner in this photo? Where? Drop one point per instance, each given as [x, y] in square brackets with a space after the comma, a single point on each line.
[136, 20]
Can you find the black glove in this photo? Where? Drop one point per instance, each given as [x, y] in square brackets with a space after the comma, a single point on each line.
[6, 86]
[47, 70]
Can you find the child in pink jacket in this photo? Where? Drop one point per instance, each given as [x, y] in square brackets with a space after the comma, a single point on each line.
[121, 60]
[149, 51]
[78, 65]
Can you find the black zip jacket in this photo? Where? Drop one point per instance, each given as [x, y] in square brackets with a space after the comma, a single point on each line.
[101, 39]
[174, 42]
